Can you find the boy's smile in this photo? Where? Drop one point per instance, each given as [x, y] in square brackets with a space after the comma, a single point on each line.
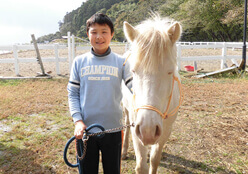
[100, 37]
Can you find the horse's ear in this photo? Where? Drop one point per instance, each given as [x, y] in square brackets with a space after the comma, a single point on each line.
[174, 32]
[129, 31]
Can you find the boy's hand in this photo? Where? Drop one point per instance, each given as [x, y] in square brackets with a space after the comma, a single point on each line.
[79, 129]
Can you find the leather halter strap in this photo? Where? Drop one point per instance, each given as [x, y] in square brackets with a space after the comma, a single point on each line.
[165, 114]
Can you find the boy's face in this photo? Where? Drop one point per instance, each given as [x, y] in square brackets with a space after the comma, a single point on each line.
[100, 37]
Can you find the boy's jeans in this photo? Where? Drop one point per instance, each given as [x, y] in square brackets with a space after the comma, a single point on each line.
[110, 146]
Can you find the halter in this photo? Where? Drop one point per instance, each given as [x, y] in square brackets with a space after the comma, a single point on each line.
[165, 114]
[153, 108]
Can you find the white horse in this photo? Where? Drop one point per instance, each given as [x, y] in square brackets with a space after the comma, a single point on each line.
[156, 98]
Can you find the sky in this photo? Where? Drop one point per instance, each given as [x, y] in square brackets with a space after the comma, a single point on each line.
[21, 18]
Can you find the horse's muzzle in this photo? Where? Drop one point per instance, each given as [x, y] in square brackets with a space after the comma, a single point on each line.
[148, 135]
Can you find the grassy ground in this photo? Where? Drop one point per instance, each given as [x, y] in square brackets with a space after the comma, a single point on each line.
[209, 136]
[35, 125]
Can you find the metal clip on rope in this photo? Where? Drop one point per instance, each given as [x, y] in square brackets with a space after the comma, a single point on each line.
[87, 134]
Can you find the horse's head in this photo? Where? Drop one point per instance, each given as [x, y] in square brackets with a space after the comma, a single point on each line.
[153, 62]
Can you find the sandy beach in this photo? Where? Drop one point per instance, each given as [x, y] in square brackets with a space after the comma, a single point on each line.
[31, 69]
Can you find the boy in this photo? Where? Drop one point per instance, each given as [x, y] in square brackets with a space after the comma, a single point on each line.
[94, 94]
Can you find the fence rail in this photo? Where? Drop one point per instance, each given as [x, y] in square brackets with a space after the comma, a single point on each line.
[72, 47]
[209, 45]
[16, 60]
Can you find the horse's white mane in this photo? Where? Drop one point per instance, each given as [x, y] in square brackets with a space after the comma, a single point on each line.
[152, 45]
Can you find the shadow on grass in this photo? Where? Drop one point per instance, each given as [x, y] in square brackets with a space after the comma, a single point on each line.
[14, 160]
[130, 157]
[182, 165]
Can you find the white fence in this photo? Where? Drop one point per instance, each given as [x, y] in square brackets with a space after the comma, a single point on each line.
[72, 47]
[206, 45]
[181, 46]
[16, 61]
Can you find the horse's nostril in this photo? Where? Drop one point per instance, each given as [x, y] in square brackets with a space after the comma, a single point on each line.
[158, 131]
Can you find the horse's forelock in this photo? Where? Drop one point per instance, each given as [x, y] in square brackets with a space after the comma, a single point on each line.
[153, 45]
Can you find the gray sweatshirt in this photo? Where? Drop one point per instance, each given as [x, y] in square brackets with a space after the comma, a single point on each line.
[94, 88]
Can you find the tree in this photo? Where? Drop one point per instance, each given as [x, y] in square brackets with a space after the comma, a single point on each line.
[204, 18]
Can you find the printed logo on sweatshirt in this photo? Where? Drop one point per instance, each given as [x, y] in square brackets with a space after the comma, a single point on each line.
[99, 69]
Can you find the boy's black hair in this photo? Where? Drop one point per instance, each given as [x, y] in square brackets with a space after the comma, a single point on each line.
[101, 19]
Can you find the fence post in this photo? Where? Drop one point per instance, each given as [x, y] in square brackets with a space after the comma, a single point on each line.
[38, 55]
[15, 52]
[179, 55]
[126, 47]
[195, 65]
[224, 53]
[73, 46]
[69, 49]
[56, 51]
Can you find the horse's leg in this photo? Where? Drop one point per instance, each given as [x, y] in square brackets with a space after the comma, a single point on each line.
[126, 135]
[156, 151]
[155, 157]
[141, 155]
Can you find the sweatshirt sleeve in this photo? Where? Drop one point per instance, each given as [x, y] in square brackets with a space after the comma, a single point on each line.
[73, 89]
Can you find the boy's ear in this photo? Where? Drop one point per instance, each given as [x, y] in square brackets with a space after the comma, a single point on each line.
[129, 31]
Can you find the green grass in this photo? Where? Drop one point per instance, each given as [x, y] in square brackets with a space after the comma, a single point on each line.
[10, 82]
[36, 141]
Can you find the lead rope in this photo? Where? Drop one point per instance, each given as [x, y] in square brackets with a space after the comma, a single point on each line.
[86, 137]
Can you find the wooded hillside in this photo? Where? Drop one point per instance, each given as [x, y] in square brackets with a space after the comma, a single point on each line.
[202, 20]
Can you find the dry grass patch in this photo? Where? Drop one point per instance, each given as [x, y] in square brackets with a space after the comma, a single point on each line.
[35, 113]
[209, 136]
[211, 133]
[32, 96]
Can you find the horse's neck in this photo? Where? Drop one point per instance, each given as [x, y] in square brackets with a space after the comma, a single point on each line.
[127, 96]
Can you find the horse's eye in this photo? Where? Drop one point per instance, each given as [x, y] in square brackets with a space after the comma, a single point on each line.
[133, 71]
[169, 73]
